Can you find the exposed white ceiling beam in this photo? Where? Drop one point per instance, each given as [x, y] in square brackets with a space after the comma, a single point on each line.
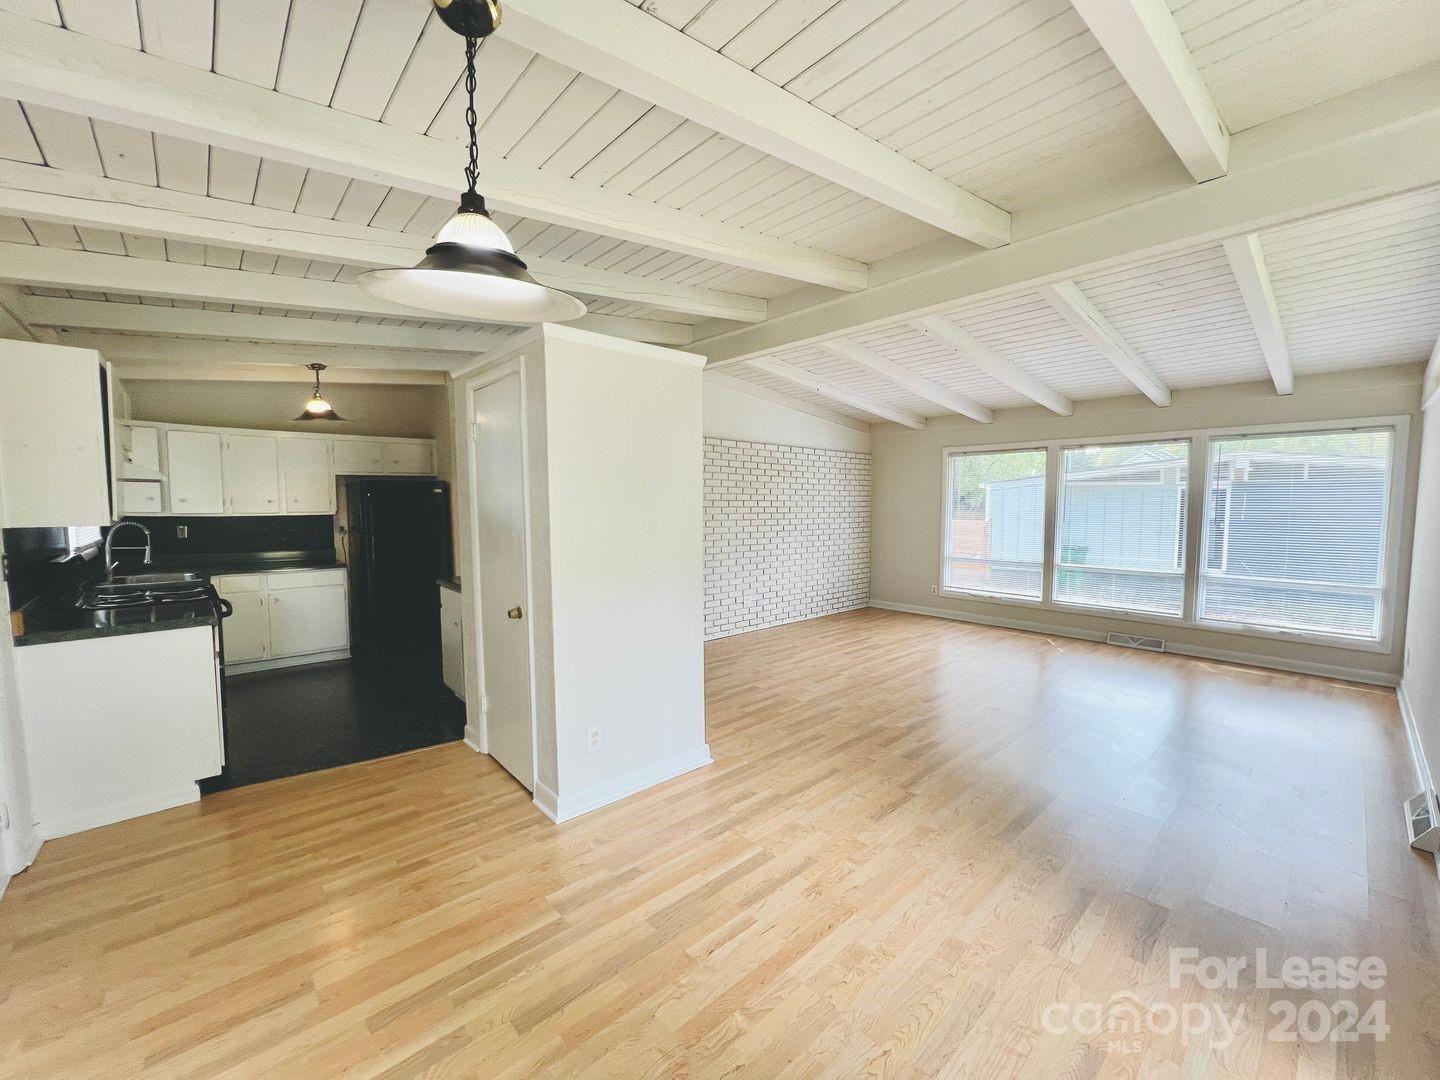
[1247, 262]
[802, 378]
[1145, 45]
[59, 268]
[87, 75]
[1375, 142]
[43, 194]
[917, 384]
[996, 366]
[1066, 298]
[201, 322]
[12, 323]
[621, 45]
[174, 350]
[279, 370]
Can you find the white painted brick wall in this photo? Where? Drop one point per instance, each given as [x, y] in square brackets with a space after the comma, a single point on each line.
[787, 534]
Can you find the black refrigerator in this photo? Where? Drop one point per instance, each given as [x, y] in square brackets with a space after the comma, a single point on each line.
[397, 543]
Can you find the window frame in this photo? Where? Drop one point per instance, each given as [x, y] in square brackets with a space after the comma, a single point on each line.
[1198, 482]
[1053, 570]
[949, 509]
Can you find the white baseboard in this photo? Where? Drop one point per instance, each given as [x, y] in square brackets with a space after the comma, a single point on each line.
[1421, 764]
[1297, 667]
[472, 740]
[786, 622]
[286, 662]
[547, 801]
[563, 808]
[109, 815]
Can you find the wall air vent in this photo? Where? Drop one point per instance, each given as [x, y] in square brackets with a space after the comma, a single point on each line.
[1130, 641]
[1423, 818]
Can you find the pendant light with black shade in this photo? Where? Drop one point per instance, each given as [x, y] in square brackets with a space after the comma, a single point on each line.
[472, 269]
[319, 407]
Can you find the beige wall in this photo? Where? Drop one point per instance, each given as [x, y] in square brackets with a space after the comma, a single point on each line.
[1421, 688]
[907, 507]
[403, 411]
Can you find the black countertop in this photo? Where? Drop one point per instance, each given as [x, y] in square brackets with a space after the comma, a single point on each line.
[55, 618]
[264, 563]
[49, 620]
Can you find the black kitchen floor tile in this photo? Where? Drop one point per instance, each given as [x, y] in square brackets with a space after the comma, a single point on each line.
[298, 720]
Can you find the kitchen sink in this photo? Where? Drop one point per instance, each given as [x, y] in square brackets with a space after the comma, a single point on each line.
[143, 590]
[155, 579]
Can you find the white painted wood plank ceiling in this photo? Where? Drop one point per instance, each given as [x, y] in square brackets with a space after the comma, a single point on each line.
[1014, 101]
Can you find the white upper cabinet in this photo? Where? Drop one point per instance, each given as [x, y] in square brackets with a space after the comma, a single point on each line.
[139, 452]
[52, 437]
[359, 457]
[409, 457]
[309, 483]
[241, 472]
[252, 474]
[195, 472]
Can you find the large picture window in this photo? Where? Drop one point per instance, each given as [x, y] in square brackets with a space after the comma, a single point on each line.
[995, 530]
[1295, 531]
[1120, 542]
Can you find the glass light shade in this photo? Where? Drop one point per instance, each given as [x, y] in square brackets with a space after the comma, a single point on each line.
[472, 271]
[317, 408]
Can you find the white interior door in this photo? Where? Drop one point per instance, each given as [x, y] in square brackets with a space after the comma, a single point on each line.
[504, 575]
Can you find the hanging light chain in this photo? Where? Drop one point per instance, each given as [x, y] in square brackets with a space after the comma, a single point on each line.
[472, 170]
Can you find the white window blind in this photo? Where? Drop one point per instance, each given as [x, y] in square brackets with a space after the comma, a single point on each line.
[79, 537]
[995, 531]
[1295, 531]
[1120, 542]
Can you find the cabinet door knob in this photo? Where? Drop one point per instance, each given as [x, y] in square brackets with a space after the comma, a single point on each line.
[513, 613]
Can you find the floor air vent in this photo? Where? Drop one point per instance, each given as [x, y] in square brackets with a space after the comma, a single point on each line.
[1423, 817]
[1130, 641]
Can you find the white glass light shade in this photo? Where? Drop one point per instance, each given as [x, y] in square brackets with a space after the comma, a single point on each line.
[472, 271]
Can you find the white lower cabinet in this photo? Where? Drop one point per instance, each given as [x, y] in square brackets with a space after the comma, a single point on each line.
[308, 620]
[286, 615]
[247, 631]
[117, 727]
[452, 641]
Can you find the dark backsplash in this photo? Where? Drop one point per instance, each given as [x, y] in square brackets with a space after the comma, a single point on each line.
[35, 563]
[240, 535]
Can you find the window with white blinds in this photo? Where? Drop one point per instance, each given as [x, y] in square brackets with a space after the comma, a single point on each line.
[80, 537]
[1120, 540]
[995, 530]
[1295, 531]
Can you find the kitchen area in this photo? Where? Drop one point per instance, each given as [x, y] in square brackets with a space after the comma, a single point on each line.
[197, 607]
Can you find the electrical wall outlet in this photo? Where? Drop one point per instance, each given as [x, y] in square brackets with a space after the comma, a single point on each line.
[934, 590]
[182, 532]
[594, 739]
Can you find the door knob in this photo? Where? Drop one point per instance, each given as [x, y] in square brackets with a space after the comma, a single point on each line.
[513, 613]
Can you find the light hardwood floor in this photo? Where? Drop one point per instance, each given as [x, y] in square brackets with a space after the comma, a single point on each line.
[916, 835]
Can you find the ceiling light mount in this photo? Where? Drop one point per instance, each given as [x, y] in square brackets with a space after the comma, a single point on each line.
[472, 270]
[470, 18]
[318, 408]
